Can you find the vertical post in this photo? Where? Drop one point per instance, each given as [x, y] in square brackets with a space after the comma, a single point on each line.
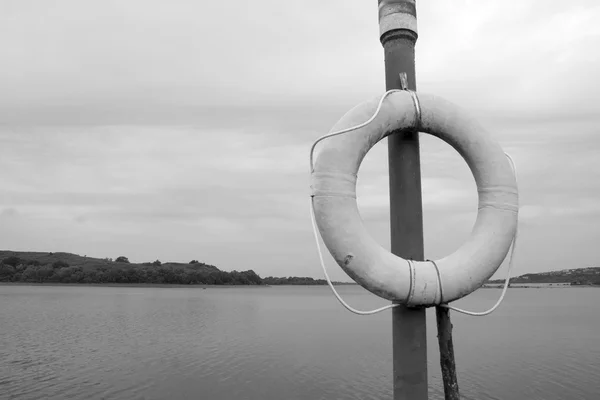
[444, 326]
[398, 35]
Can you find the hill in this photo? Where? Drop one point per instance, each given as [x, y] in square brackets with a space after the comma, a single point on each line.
[40, 267]
[577, 276]
[72, 268]
[89, 262]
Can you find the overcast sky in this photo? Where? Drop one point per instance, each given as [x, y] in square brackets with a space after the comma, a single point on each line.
[179, 130]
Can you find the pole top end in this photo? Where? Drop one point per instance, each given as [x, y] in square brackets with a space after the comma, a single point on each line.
[397, 14]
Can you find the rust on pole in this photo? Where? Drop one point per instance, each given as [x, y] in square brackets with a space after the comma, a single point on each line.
[398, 36]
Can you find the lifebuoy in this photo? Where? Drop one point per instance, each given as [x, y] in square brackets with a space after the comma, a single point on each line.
[414, 283]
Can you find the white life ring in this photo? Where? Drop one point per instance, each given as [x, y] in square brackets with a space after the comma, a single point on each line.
[416, 283]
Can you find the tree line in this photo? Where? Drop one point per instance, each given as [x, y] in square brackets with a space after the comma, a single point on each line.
[16, 269]
[13, 269]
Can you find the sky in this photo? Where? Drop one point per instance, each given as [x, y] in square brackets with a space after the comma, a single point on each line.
[181, 130]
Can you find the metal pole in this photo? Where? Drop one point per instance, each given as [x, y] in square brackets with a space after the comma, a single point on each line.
[398, 35]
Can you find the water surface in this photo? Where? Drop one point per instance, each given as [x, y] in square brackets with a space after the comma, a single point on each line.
[287, 343]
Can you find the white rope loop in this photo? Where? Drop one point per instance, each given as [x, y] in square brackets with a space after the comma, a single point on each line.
[353, 128]
[316, 235]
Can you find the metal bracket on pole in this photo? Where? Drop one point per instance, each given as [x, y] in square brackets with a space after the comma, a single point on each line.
[403, 81]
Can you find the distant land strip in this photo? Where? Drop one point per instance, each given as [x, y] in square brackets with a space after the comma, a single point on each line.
[68, 268]
[588, 276]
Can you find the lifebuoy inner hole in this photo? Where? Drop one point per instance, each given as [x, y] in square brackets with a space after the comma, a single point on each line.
[449, 196]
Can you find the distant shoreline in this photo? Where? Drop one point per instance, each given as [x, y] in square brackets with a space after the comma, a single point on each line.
[152, 285]
[200, 286]
[541, 287]
[148, 285]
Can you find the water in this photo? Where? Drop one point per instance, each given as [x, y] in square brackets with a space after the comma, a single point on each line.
[282, 343]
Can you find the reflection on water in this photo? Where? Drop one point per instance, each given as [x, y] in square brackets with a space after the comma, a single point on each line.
[281, 343]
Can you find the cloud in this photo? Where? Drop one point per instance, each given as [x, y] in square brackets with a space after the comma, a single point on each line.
[182, 131]
[586, 208]
[9, 212]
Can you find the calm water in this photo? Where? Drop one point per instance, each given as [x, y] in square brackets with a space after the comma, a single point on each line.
[281, 343]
